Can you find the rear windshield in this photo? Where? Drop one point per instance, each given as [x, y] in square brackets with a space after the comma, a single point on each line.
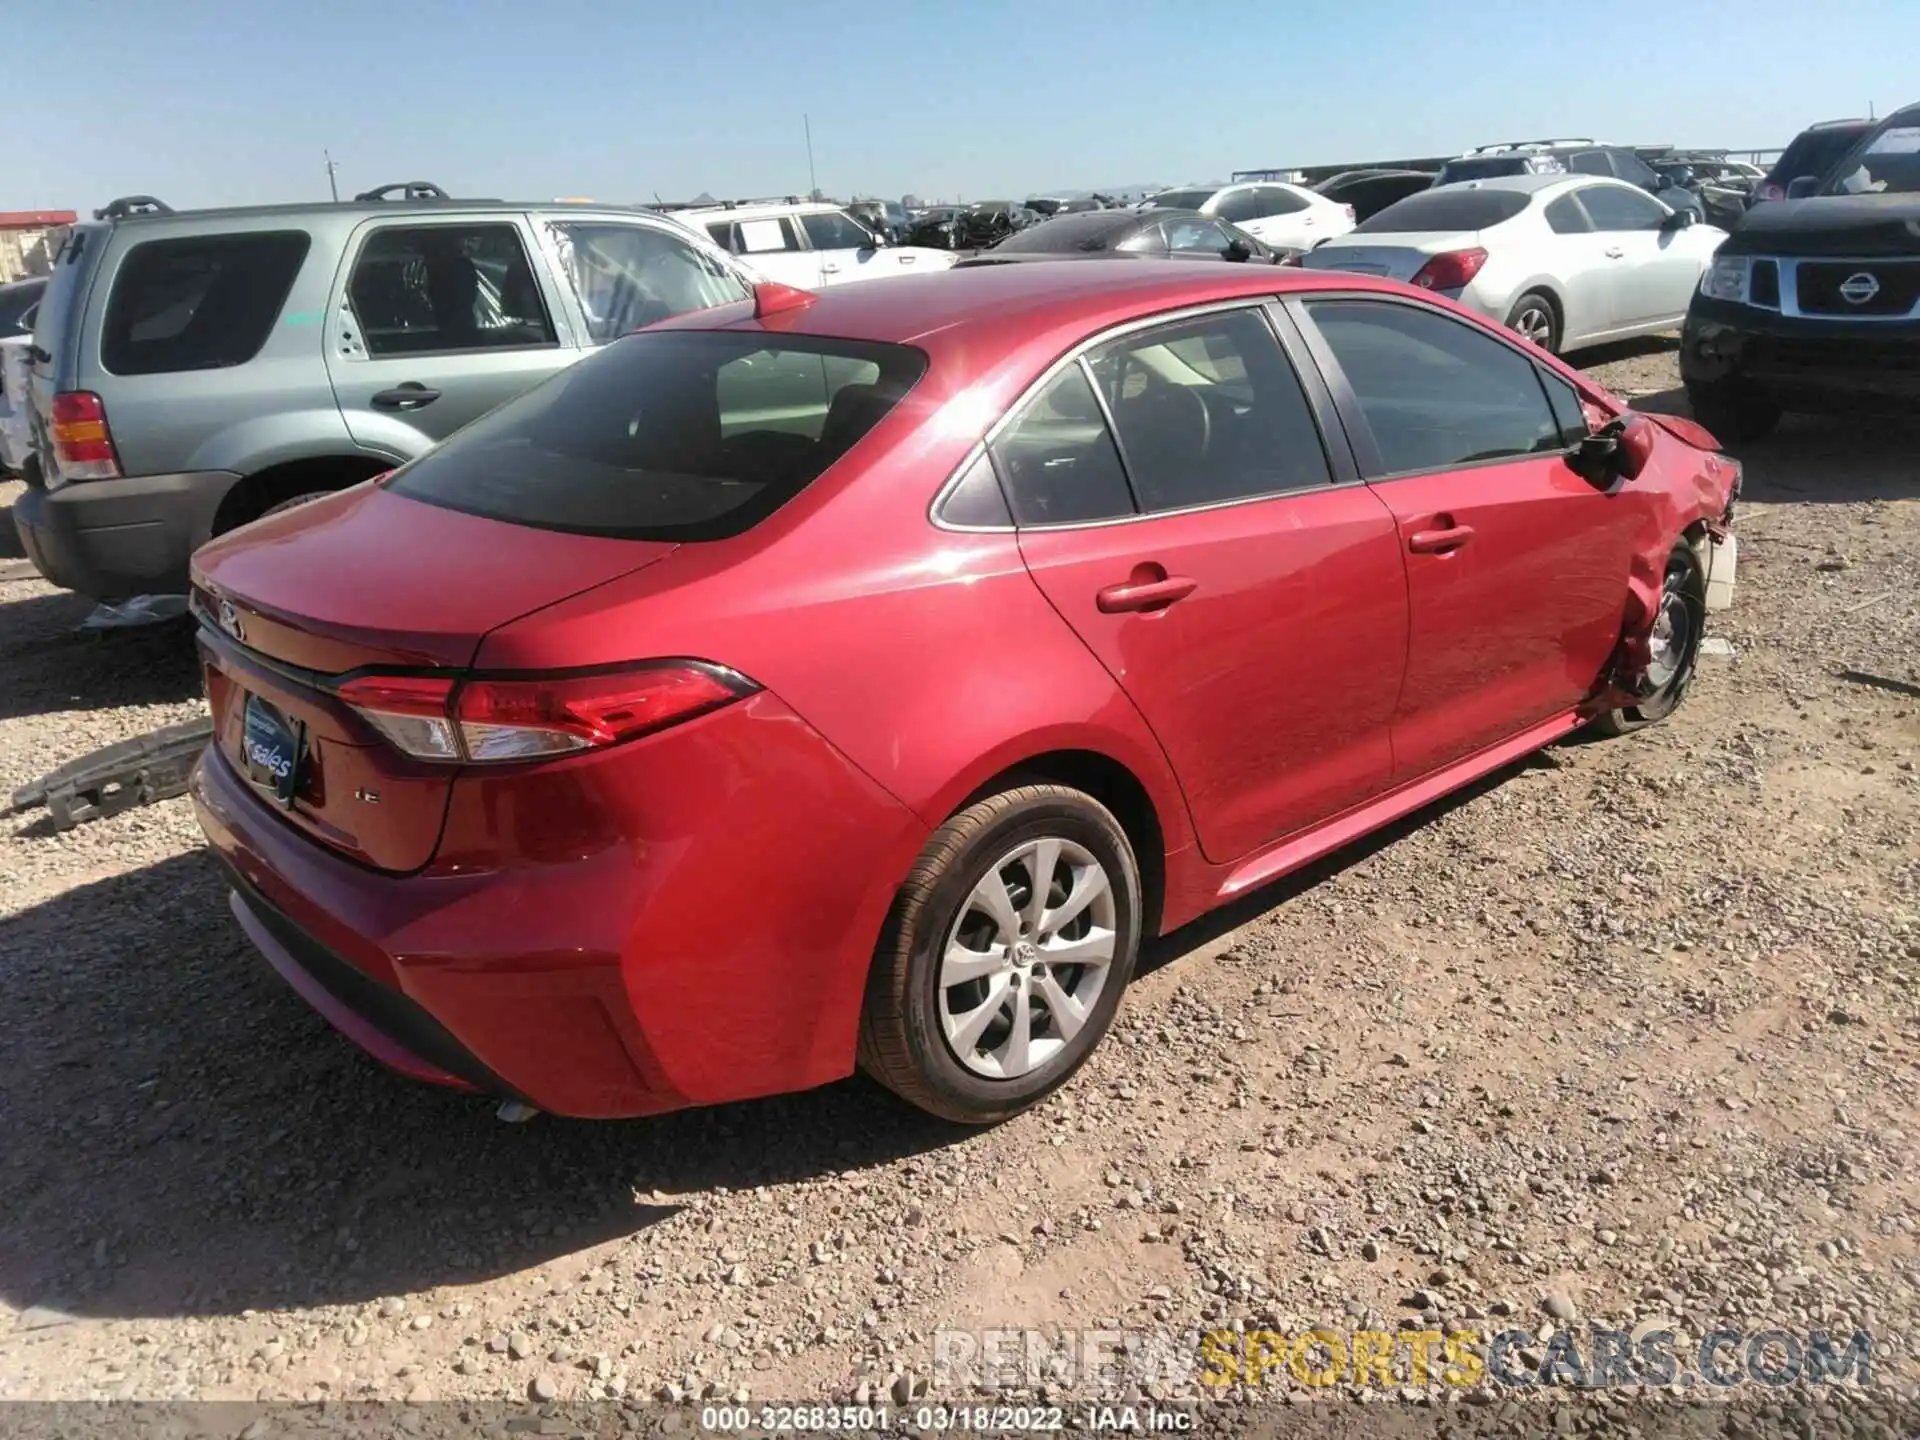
[64, 285]
[1446, 210]
[202, 303]
[1487, 167]
[1094, 231]
[677, 435]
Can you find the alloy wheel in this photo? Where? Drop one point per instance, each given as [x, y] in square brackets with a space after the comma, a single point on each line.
[1027, 958]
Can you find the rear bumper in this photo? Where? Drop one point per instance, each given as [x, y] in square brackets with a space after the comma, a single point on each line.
[112, 539]
[687, 919]
[1802, 364]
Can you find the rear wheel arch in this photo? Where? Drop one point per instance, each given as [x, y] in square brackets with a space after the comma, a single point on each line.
[1115, 786]
[255, 494]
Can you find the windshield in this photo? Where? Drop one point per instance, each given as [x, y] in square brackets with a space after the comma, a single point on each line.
[1888, 164]
[1095, 231]
[1181, 199]
[1461, 209]
[1814, 152]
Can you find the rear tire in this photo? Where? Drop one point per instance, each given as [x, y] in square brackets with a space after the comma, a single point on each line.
[1678, 630]
[292, 500]
[1734, 412]
[983, 999]
[1534, 317]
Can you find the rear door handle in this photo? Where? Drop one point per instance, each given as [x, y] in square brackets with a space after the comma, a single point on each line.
[1148, 588]
[409, 396]
[1447, 537]
[1614, 252]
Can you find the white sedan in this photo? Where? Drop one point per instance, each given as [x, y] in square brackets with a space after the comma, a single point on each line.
[1283, 216]
[1565, 260]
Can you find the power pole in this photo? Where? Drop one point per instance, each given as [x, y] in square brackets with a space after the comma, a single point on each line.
[332, 184]
[813, 182]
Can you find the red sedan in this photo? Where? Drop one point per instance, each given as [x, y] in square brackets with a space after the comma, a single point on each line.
[858, 678]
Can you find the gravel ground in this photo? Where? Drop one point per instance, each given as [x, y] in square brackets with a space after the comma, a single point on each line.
[1627, 1032]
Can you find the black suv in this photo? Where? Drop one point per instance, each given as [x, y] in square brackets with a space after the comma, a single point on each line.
[1813, 305]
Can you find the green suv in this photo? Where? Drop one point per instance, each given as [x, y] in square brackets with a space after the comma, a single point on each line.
[193, 370]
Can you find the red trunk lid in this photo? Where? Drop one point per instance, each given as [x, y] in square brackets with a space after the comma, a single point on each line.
[366, 579]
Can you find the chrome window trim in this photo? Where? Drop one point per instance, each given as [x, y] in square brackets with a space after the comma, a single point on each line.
[1075, 356]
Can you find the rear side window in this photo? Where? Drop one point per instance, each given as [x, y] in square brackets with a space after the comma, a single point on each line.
[1209, 410]
[1276, 201]
[834, 231]
[1565, 217]
[671, 435]
[1436, 394]
[1240, 206]
[627, 276]
[756, 237]
[427, 289]
[1058, 460]
[1446, 210]
[1589, 162]
[203, 303]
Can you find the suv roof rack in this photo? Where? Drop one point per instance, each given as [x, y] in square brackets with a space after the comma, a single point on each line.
[408, 190]
[1548, 144]
[132, 205]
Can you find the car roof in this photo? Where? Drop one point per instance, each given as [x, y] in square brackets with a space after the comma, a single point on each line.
[755, 212]
[1531, 183]
[362, 209]
[969, 310]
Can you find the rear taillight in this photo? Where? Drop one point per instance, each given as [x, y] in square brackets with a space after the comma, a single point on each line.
[1451, 269]
[82, 444]
[490, 720]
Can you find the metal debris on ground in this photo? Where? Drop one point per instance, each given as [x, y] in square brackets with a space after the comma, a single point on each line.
[1716, 645]
[133, 614]
[1881, 682]
[103, 782]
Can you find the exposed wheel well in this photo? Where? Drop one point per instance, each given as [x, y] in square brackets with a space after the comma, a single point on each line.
[1117, 788]
[255, 494]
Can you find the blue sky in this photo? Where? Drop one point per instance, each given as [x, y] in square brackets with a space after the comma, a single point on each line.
[233, 101]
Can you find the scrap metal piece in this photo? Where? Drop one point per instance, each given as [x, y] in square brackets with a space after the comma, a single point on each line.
[1880, 682]
[104, 782]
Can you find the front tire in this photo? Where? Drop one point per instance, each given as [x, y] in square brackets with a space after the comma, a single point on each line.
[1005, 955]
[1678, 628]
[1534, 318]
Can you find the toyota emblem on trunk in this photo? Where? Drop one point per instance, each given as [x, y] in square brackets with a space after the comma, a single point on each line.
[1858, 289]
[230, 621]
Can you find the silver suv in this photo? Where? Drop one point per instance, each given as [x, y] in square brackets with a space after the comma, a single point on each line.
[193, 370]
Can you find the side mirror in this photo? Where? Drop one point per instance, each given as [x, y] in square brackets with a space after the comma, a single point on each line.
[1238, 249]
[1802, 186]
[1619, 451]
[1678, 220]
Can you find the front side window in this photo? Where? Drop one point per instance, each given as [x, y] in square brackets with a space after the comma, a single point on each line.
[1278, 200]
[830, 230]
[1209, 410]
[627, 276]
[206, 303]
[1239, 206]
[1615, 208]
[1057, 460]
[1435, 393]
[1196, 236]
[421, 289]
[668, 435]
[1589, 162]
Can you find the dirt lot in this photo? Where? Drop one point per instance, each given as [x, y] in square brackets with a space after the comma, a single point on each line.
[1629, 1032]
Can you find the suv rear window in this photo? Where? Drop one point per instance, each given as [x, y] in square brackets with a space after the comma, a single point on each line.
[1446, 210]
[201, 303]
[679, 435]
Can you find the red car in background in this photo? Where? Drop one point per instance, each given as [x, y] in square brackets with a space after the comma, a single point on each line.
[860, 678]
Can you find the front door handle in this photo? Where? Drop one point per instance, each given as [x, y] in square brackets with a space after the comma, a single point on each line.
[1443, 539]
[830, 269]
[1614, 252]
[1148, 588]
[411, 395]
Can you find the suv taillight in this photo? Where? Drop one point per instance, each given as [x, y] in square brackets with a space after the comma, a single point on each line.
[482, 720]
[1450, 269]
[82, 444]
